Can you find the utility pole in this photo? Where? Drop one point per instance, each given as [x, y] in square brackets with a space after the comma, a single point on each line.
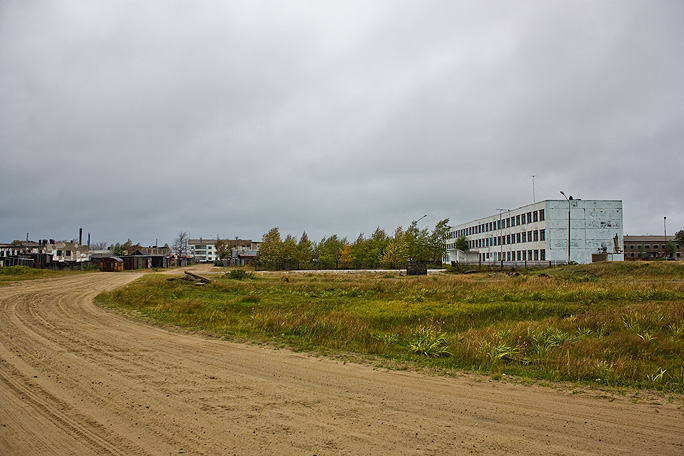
[569, 199]
[501, 227]
[665, 231]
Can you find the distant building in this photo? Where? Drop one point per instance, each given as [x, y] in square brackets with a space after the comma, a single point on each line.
[651, 247]
[539, 233]
[43, 254]
[204, 250]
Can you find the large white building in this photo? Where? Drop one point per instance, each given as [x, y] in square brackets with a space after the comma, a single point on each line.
[539, 233]
[203, 250]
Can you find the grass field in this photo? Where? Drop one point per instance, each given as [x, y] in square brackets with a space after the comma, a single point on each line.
[608, 324]
[18, 273]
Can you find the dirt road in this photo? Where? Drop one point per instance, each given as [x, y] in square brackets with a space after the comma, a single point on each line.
[78, 380]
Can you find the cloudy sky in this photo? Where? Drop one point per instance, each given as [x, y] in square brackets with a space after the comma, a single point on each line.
[141, 119]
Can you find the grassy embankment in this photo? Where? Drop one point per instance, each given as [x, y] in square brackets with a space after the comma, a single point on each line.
[609, 324]
[18, 273]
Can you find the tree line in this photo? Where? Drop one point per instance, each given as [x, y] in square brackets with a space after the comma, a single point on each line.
[378, 250]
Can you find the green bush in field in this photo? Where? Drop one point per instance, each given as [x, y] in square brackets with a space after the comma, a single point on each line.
[239, 274]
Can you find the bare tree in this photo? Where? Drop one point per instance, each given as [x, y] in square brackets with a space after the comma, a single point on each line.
[98, 246]
[180, 245]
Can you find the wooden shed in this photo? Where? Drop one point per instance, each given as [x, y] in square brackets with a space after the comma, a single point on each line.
[111, 264]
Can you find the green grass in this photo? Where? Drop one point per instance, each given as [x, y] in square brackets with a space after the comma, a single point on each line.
[614, 324]
[17, 273]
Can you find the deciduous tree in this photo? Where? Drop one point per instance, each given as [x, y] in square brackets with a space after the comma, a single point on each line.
[304, 251]
[222, 249]
[180, 245]
[269, 255]
[346, 256]
[289, 252]
[396, 253]
[438, 240]
[461, 243]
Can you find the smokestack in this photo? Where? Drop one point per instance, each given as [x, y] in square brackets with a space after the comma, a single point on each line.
[80, 236]
[88, 240]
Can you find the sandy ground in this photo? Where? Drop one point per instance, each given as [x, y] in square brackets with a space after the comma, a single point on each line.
[77, 379]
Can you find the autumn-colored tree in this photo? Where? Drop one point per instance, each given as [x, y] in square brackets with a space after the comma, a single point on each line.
[269, 255]
[346, 256]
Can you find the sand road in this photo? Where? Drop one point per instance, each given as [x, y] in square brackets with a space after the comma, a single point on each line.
[79, 380]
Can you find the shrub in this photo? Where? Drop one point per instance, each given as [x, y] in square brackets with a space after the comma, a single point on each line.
[239, 274]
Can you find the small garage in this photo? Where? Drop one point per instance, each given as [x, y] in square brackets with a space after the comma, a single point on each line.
[111, 264]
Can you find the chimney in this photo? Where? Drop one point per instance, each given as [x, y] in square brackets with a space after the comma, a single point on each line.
[80, 236]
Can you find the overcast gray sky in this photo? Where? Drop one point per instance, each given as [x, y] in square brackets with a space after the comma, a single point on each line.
[141, 119]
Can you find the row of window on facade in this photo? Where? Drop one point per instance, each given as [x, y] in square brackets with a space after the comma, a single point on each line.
[508, 222]
[67, 253]
[508, 239]
[648, 246]
[517, 255]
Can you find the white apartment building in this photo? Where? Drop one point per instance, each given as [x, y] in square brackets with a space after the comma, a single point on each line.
[554, 231]
[203, 250]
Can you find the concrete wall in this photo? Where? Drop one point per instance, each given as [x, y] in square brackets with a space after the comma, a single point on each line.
[593, 225]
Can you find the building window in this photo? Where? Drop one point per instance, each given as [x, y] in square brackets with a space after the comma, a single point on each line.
[542, 254]
[59, 253]
[524, 236]
[529, 220]
[524, 255]
[508, 222]
[529, 236]
[541, 216]
[535, 214]
[523, 219]
[542, 235]
[536, 255]
[517, 220]
[529, 255]
[536, 235]
[518, 237]
[67, 253]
